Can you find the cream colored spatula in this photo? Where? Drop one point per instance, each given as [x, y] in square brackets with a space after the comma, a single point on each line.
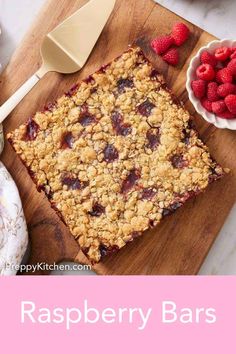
[67, 48]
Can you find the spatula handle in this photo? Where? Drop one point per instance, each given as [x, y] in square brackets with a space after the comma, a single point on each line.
[15, 99]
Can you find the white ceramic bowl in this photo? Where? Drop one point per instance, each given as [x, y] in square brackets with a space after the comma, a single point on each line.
[191, 75]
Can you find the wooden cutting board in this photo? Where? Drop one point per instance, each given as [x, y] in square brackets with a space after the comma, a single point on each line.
[181, 242]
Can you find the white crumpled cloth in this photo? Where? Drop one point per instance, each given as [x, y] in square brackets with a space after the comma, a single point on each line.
[13, 230]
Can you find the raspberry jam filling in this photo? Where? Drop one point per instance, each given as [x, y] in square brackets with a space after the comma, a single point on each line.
[172, 208]
[186, 138]
[103, 68]
[93, 90]
[135, 235]
[130, 181]
[122, 84]
[85, 117]
[105, 250]
[89, 80]
[154, 74]
[67, 140]
[72, 90]
[178, 161]
[31, 130]
[73, 183]
[148, 193]
[97, 210]
[110, 153]
[119, 126]
[153, 137]
[180, 199]
[50, 106]
[214, 175]
[145, 108]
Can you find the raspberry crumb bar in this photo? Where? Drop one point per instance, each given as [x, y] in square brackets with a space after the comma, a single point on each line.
[115, 154]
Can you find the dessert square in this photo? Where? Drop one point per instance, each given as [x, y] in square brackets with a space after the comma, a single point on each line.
[115, 154]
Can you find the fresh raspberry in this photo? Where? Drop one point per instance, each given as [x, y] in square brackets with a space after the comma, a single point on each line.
[208, 58]
[224, 75]
[219, 65]
[205, 72]
[226, 89]
[171, 56]
[233, 55]
[207, 104]
[218, 107]
[222, 53]
[232, 66]
[212, 94]
[199, 88]
[230, 102]
[162, 44]
[227, 115]
[180, 33]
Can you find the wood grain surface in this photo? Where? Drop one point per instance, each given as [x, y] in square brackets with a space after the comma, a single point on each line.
[181, 242]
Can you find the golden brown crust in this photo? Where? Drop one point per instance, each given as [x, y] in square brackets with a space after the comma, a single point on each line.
[115, 154]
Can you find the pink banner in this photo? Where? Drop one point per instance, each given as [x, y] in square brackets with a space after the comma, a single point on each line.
[118, 314]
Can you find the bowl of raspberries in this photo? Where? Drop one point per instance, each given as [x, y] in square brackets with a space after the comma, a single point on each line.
[211, 83]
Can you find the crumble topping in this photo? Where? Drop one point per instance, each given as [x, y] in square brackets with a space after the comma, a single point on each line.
[115, 154]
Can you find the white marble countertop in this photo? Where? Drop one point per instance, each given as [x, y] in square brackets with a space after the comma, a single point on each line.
[215, 16]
